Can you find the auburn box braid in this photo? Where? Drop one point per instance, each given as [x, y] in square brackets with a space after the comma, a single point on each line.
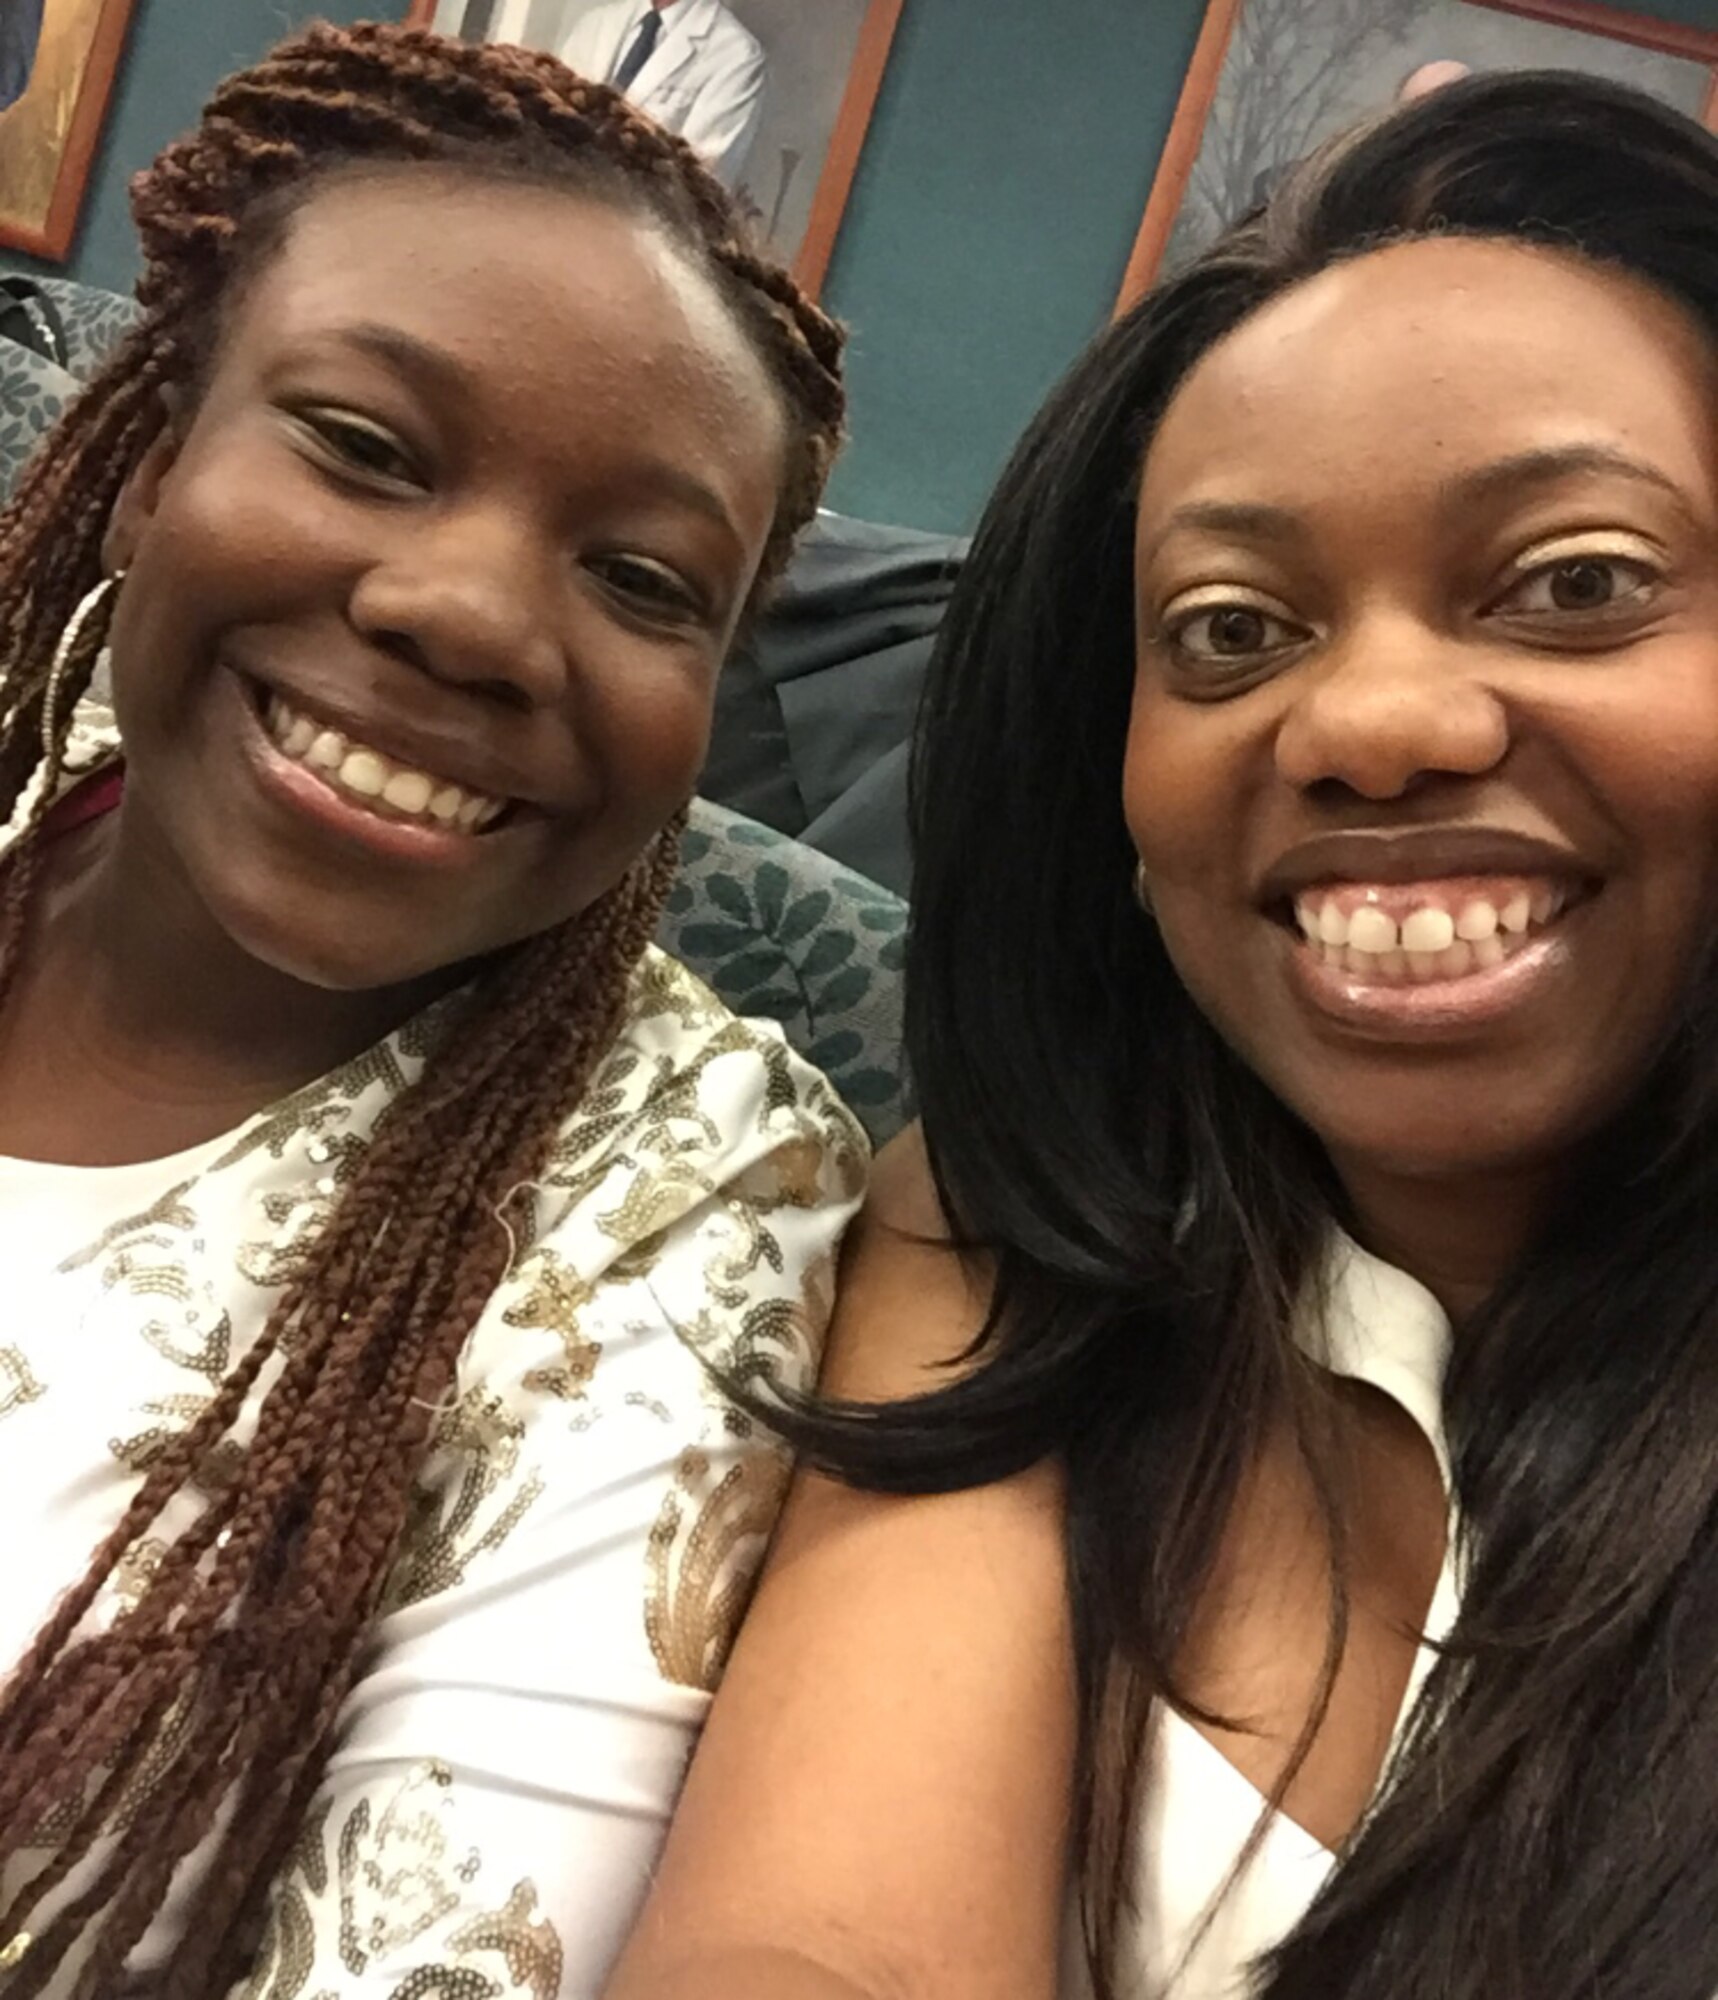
[226, 1678]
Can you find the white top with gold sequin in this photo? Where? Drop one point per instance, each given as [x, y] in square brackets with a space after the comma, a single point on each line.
[585, 1526]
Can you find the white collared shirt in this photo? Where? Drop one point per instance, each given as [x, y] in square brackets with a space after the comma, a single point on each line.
[704, 79]
[1377, 1325]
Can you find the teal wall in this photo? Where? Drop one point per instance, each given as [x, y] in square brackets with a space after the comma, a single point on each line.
[1011, 156]
[1005, 175]
[178, 50]
[996, 203]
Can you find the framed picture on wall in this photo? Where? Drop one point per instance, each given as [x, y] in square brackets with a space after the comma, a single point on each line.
[776, 94]
[1270, 79]
[58, 59]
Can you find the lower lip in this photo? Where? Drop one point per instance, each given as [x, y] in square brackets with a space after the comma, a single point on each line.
[1438, 1009]
[305, 795]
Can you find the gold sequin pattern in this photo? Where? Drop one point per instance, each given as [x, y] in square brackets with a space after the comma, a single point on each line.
[18, 1384]
[705, 1550]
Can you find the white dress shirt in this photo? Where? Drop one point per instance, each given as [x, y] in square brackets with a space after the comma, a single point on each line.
[704, 79]
[1194, 1935]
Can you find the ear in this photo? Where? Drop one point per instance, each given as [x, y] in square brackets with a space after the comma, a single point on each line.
[141, 493]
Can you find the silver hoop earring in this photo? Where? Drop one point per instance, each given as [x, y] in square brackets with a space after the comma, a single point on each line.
[97, 601]
[1142, 889]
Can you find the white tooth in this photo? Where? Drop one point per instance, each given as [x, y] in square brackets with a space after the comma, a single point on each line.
[1428, 931]
[469, 813]
[278, 718]
[446, 804]
[1371, 930]
[327, 752]
[1478, 920]
[1455, 960]
[364, 773]
[1393, 964]
[1544, 901]
[492, 810]
[1332, 925]
[299, 736]
[1332, 954]
[407, 791]
[1357, 961]
[1423, 964]
[1306, 915]
[1516, 913]
[1489, 952]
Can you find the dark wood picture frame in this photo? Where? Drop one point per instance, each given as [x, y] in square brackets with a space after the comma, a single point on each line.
[846, 142]
[1205, 70]
[53, 238]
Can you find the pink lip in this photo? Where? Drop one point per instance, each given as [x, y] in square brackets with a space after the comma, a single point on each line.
[303, 794]
[1439, 1010]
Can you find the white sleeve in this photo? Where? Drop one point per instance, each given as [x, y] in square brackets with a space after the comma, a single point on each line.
[723, 118]
[592, 1521]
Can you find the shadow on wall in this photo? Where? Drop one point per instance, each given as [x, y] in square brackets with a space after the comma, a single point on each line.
[20, 32]
[811, 51]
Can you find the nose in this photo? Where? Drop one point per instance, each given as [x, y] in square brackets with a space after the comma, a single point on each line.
[1390, 708]
[470, 600]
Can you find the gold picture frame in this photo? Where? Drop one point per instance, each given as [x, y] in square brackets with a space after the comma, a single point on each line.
[58, 62]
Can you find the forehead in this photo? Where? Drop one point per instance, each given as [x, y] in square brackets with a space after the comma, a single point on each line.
[1405, 367]
[533, 291]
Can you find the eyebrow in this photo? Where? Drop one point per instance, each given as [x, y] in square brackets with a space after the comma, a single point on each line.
[1552, 463]
[439, 373]
[1245, 520]
[1257, 522]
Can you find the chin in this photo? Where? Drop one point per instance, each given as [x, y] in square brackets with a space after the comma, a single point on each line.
[331, 955]
[1447, 1140]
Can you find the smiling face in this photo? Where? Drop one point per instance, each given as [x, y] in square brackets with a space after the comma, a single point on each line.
[1423, 764]
[424, 608]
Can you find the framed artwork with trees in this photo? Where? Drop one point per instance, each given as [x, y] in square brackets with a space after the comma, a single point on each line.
[1270, 79]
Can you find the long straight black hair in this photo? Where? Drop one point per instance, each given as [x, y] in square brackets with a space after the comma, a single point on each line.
[1550, 1826]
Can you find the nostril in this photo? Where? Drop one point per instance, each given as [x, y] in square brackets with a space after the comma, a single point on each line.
[505, 694]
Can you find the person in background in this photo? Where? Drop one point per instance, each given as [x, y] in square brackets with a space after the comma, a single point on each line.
[1428, 77]
[20, 36]
[1299, 1522]
[692, 65]
[1418, 83]
[375, 1198]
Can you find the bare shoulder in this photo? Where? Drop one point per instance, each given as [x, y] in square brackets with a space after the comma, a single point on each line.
[881, 1798]
[910, 1300]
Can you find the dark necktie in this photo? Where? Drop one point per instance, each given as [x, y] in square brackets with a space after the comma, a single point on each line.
[649, 34]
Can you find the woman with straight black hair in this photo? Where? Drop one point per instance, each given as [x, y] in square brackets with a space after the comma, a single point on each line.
[1297, 1516]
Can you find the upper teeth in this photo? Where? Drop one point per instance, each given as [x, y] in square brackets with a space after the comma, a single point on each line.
[375, 780]
[1431, 927]
[1439, 933]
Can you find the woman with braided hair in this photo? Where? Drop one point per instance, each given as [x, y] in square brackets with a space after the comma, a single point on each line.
[374, 1197]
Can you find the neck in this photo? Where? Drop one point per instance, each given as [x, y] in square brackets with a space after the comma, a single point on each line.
[1457, 1237]
[172, 1031]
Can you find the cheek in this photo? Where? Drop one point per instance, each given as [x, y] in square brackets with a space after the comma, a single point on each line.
[1185, 785]
[1648, 745]
[651, 729]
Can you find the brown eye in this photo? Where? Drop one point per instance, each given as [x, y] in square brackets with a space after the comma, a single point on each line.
[1229, 634]
[1237, 631]
[648, 586]
[1582, 586]
[362, 447]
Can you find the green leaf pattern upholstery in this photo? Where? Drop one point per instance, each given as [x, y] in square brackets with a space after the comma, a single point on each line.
[93, 320]
[33, 392]
[781, 931]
